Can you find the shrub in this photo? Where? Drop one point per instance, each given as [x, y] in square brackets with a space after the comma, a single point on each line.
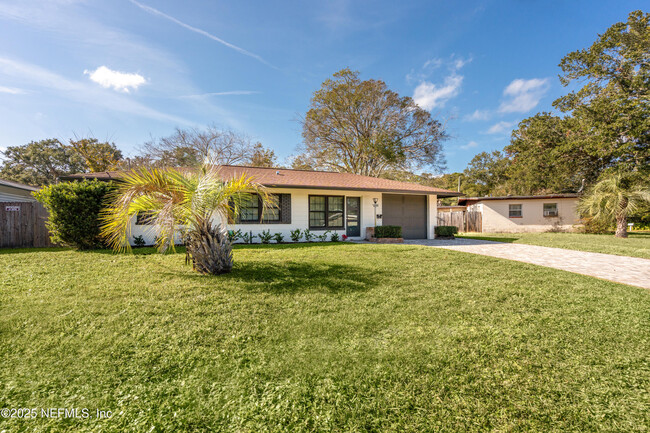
[278, 238]
[138, 241]
[388, 232]
[296, 235]
[308, 235]
[234, 235]
[335, 237]
[323, 237]
[248, 237]
[446, 231]
[74, 209]
[265, 236]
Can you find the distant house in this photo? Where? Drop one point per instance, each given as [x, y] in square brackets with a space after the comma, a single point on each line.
[16, 192]
[322, 201]
[536, 213]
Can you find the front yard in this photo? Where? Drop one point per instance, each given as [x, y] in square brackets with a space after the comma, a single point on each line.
[636, 245]
[332, 337]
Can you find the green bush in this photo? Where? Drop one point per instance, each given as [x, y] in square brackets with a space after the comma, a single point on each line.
[296, 235]
[335, 237]
[74, 209]
[138, 241]
[388, 232]
[446, 231]
[265, 236]
[278, 238]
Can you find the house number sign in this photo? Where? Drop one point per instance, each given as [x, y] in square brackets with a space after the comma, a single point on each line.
[12, 208]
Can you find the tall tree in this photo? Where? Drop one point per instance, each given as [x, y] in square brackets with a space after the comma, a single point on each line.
[362, 127]
[551, 154]
[193, 147]
[98, 156]
[40, 162]
[614, 198]
[262, 157]
[614, 102]
[486, 173]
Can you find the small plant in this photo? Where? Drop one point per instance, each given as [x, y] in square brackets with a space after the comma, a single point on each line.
[388, 232]
[278, 238]
[344, 237]
[335, 237]
[248, 237]
[234, 235]
[265, 236]
[308, 235]
[296, 235]
[323, 237]
[446, 231]
[138, 241]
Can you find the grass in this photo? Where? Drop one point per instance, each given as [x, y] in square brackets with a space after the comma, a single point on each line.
[332, 337]
[636, 245]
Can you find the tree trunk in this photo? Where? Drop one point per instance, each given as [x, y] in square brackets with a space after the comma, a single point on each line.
[621, 226]
[209, 250]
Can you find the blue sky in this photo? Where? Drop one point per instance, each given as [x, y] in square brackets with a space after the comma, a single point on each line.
[130, 70]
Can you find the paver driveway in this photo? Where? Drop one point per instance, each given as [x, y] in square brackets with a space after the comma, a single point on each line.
[621, 269]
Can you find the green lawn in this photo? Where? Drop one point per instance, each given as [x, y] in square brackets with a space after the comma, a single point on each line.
[336, 337]
[636, 245]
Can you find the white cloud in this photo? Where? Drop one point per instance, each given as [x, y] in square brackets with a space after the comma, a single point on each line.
[523, 95]
[11, 90]
[501, 127]
[469, 145]
[428, 95]
[120, 81]
[478, 115]
[154, 11]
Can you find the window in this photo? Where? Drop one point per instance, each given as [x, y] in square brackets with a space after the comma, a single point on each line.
[278, 211]
[144, 219]
[250, 209]
[550, 210]
[325, 211]
[514, 211]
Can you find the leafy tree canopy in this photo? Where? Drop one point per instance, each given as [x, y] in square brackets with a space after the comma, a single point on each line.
[98, 156]
[363, 127]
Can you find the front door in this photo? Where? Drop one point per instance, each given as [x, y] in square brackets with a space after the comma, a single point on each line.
[353, 208]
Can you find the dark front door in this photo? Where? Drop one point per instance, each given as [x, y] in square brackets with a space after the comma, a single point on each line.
[353, 208]
[407, 211]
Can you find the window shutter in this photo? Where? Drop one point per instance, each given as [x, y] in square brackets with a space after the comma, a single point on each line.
[285, 208]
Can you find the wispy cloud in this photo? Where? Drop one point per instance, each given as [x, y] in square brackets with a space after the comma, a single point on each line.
[428, 95]
[81, 92]
[478, 115]
[469, 145]
[11, 90]
[523, 95]
[227, 93]
[501, 127]
[202, 32]
[120, 81]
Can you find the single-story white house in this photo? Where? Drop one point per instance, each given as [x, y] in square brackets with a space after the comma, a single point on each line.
[534, 213]
[16, 192]
[344, 203]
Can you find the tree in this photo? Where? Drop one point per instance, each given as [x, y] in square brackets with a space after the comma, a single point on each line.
[97, 156]
[362, 127]
[551, 154]
[614, 198]
[487, 174]
[192, 147]
[40, 162]
[262, 157]
[614, 102]
[185, 203]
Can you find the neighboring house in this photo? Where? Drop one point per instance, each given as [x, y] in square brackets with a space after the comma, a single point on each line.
[525, 213]
[316, 200]
[16, 192]
[443, 209]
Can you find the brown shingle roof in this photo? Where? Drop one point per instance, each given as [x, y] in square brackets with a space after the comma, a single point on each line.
[471, 200]
[287, 178]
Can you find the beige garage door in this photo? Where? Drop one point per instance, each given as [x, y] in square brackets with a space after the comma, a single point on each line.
[407, 211]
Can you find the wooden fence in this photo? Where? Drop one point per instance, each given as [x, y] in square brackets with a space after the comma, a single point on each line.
[466, 221]
[22, 224]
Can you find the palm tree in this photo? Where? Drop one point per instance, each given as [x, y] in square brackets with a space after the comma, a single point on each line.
[613, 199]
[193, 205]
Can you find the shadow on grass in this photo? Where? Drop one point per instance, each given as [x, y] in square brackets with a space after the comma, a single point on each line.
[489, 238]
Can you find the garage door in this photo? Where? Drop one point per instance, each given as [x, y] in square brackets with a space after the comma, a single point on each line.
[407, 211]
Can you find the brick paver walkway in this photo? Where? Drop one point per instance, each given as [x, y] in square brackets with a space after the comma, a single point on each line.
[620, 269]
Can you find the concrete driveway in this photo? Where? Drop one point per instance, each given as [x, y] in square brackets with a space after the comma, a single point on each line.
[620, 269]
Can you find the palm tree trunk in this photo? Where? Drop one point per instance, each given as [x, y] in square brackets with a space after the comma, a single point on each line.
[621, 219]
[209, 250]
